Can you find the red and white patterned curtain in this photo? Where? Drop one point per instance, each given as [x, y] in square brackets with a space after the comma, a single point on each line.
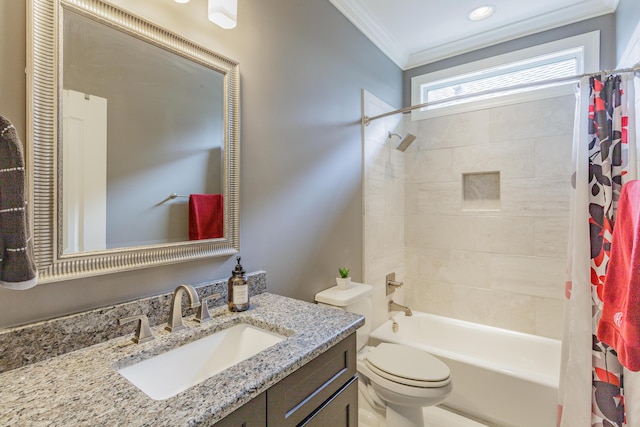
[591, 386]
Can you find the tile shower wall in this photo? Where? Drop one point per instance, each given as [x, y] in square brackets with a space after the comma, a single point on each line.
[503, 266]
[384, 241]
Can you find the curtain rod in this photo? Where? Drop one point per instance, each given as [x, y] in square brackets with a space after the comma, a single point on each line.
[366, 119]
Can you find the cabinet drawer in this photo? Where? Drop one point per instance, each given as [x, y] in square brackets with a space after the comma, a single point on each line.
[341, 410]
[297, 396]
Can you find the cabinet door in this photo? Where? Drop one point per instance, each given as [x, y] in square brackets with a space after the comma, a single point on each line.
[251, 414]
[341, 410]
[296, 397]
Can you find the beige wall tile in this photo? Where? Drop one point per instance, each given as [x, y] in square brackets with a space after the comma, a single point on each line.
[551, 236]
[375, 246]
[394, 196]
[378, 270]
[535, 119]
[493, 234]
[549, 317]
[379, 303]
[425, 231]
[411, 198]
[433, 266]
[528, 275]
[429, 166]
[441, 267]
[436, 198]
[429, 298]
[454, 131]
[513, 159]
[412, 261]
[540, 197]
[471, 269]
[470, 233]
[553, 156]
[495, 308]
[375, 201]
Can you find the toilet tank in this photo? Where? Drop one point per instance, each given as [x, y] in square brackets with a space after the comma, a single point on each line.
[355, 299]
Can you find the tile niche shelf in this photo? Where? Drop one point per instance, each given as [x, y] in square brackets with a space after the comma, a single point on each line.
[481, 191]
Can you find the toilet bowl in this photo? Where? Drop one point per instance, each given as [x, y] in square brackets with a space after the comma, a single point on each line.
[395, 381]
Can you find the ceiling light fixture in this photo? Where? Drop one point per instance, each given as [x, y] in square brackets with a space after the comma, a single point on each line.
[181, 1]
[481, 13]
[223, 13]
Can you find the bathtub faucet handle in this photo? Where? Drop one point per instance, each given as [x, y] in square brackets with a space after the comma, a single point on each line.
[392, 285]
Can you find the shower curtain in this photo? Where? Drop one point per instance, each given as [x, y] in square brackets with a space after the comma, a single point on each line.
[591, 383]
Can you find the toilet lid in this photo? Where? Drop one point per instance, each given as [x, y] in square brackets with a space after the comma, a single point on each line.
[408, 365]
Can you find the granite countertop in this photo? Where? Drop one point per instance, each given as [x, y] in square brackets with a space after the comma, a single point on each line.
[83, 387]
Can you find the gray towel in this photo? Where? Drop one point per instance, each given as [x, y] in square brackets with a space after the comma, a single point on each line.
[17, 265]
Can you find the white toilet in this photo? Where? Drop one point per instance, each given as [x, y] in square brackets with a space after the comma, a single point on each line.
[396, 381]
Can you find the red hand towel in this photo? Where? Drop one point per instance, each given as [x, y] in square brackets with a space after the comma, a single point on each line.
[619, 326]
[206, 216]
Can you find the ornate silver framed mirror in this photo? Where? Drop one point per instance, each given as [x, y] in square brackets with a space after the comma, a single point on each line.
[126, 120]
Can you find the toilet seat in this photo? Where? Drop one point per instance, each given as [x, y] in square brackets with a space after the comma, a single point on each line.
[407, 365]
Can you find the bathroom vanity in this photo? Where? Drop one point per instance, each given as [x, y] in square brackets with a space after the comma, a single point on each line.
[309, 378]
[321, 393]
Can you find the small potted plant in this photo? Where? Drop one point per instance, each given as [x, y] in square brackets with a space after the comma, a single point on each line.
[344, 280]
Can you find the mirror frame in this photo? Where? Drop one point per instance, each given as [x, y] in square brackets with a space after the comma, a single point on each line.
[44, 144]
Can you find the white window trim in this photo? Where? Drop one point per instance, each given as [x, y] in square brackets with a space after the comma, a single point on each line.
[588, 45]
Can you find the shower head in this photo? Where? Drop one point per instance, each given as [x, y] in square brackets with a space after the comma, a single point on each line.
[404, 142]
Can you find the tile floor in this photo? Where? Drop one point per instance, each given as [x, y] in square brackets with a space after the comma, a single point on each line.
[439, 417]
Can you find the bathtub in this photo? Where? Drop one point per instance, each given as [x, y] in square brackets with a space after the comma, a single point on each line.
[505, 378]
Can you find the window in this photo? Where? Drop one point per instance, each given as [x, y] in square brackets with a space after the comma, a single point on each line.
[563, 58]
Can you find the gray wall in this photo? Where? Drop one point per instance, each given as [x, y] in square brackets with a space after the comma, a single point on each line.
[606, 24]
[12, 47]
[302, 66]
[627, 18]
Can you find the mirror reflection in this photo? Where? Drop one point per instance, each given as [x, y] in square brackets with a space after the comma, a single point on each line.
[139, 123]
[124, 114]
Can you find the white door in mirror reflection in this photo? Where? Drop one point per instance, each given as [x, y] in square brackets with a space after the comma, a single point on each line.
[84, 188]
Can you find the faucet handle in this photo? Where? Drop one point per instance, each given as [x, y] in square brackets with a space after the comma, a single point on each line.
[143, 333]
[203, 314]
[392, 285]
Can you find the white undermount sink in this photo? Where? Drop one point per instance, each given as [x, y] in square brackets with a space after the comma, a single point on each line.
[170, 373]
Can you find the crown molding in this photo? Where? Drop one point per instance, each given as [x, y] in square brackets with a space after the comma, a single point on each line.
[391, 47]
[362, 19]
[512, 31]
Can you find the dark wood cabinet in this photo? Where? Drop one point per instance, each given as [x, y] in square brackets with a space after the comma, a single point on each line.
[251, 414]
[341, 410]
[323, 392]
[299, 395]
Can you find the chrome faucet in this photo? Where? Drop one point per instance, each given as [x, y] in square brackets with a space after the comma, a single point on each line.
[397, 307]
[175, 315]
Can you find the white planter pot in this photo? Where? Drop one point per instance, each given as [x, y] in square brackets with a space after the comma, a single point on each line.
[343, 283]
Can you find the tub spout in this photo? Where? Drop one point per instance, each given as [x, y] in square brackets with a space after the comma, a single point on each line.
[397, 307]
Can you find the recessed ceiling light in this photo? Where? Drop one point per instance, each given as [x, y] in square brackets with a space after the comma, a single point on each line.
[181, 1]
[481, 12]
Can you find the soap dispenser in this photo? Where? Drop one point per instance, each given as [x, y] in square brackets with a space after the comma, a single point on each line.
[238, 291]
